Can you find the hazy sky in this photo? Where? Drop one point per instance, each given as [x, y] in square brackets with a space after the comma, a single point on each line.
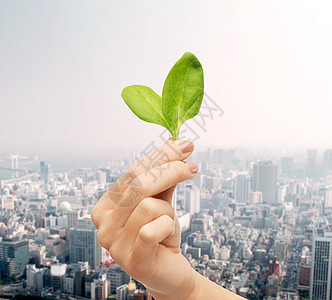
[63, 65]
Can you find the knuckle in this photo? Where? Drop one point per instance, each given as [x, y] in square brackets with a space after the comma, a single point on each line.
[94, 216]
[101, 238]
[146, 206]
[136, 188]
[170, 221]
[154, 208]
[113, 251]
[117, 255]
[146, 235]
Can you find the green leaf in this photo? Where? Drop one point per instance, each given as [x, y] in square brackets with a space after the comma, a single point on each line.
[145, 104]
[182, 92]
[181, 97]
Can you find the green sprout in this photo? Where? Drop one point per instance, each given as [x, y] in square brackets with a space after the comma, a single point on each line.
[181, 96]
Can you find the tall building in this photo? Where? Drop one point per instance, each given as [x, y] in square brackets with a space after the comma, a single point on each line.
[242, 188]
[287, 166]
[99, 288]
[58, 273]
[321, 269]
[14, 256]
[121, 292]
[84, 246]
[34, 277]
[68, 283]
[101, 177]
[39, 279]
[192, 199]
[312, 169]
[117, 277]
[72, 217]
[327, 160]
[218, 156]
[45, 171]
[80, 270]
[326, 193]
[265, 180]
[30, 275]
[88, 279]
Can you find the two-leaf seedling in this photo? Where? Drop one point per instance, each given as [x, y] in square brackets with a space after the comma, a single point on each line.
[181, 96]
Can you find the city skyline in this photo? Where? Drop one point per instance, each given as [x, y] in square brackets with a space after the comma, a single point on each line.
[248, 224]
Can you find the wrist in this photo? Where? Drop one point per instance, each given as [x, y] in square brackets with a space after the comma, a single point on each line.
[186, 289]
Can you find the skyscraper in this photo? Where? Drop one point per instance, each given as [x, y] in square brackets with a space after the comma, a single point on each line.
[80, 270]
[321, 269]
[14, 256]
[312, 170]
[265, 180]
[72, 217]
[84, 246]
[117, 277]
[327, 160]
[192, 199]
[242, 188]
[326, 193]
[45, 171]
[287, 166]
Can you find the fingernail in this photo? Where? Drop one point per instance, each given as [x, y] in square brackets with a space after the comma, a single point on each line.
[173, 228]
[193, 168]
[186, 146]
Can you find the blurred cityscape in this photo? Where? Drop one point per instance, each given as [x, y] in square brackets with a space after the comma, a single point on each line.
[256, 223]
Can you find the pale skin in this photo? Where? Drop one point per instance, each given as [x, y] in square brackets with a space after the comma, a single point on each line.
[138, 226]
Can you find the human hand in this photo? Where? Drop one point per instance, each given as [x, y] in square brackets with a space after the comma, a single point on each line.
[137, 224]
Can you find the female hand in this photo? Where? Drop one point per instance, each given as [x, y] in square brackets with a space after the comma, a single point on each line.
[137, 224]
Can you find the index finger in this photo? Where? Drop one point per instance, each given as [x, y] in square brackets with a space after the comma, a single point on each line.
[170, 151]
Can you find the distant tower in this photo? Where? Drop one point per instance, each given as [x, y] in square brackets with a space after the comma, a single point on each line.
[84, 246]
[312, 170]
[265, 180]
[321, 268]
[14, 256]
[72, 217]
[327, 160]
[242, 188]
[192, 199]
[14, 164]
[287, 166]
[45, 171]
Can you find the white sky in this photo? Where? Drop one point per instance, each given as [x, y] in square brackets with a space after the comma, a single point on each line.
[63, 65]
